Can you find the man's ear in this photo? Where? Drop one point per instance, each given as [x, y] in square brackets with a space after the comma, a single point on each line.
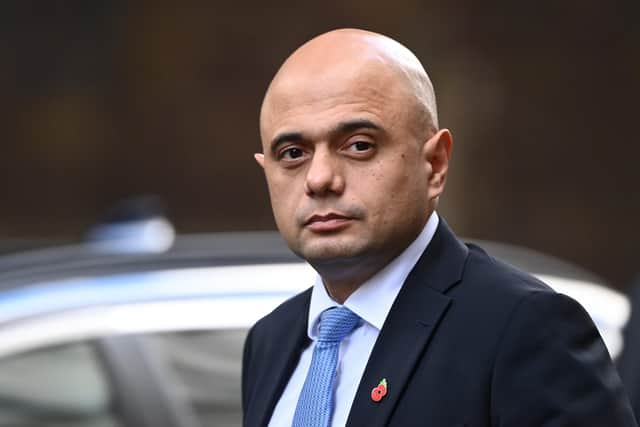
[259, 158]
[437, 151]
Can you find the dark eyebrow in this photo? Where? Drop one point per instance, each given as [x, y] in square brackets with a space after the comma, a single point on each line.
[341, 128]
[285, 137]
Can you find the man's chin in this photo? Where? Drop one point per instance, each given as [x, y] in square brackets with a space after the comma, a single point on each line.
[330, 251]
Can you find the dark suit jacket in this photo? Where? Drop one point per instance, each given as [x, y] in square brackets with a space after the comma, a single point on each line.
[469, 341]
[629, 360]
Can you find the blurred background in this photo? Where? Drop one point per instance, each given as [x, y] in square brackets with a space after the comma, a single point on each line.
[106, 100]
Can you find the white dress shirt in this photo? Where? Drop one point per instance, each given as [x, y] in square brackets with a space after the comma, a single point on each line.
[372, 302]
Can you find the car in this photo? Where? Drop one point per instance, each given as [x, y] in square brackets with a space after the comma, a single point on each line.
[96, 336]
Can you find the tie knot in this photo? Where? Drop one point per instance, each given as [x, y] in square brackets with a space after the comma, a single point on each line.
[336, 323]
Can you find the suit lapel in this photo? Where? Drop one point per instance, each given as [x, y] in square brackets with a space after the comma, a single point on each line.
[279, 363]
[412, 321]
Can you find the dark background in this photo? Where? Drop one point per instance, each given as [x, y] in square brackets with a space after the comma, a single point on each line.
[103, 100]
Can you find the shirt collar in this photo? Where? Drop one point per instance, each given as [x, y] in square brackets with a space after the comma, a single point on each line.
[372, 301]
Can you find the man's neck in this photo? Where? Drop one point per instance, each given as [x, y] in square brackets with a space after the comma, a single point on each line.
[342, 277]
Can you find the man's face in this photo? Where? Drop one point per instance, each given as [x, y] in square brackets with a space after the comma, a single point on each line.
[345, 165]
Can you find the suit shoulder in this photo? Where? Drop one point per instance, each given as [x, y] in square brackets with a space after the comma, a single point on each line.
[494, 274]
[491, 291]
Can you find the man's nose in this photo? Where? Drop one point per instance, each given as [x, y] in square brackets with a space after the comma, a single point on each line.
[323, 175]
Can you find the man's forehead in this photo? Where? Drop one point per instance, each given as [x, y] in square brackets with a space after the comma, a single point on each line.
[349, 65]
[314, 79]
[359, 93]
[360, 80]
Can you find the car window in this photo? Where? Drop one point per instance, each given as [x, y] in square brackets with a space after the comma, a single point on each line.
[204, 368]
[63, 386]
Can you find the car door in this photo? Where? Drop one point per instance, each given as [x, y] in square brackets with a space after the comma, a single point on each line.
[185, 378]
[166, 379]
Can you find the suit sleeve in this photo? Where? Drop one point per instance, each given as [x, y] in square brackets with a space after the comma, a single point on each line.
[553, 370]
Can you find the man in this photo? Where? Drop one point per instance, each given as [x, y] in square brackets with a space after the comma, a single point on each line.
[405, 325]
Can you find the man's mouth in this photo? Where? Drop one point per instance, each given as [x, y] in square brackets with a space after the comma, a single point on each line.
[327, 222]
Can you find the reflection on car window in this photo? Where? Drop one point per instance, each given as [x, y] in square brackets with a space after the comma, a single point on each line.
[204, 368]
[63, 386]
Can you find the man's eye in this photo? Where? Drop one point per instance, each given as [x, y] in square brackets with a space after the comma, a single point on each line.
[291, 153]
[361, 146]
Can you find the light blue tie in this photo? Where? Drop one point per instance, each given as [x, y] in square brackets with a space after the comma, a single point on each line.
[315, 405]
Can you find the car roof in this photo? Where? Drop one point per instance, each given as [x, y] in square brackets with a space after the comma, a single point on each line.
[196, 250]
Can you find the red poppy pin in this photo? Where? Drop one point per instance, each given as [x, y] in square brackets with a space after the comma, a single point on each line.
[379, 391]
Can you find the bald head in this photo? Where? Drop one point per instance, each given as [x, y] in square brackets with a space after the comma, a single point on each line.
[360, 58]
